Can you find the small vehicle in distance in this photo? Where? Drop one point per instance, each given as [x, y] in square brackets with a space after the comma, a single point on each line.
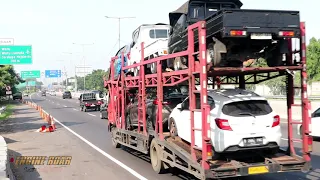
[17, 95]
[67, 95]
[88, 101]
[43, 93]
[53, 93]
[25, 94]
[241, 121]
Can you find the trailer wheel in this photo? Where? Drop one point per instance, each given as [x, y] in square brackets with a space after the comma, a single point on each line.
[173, 128]
[155, 152]
[114, 142]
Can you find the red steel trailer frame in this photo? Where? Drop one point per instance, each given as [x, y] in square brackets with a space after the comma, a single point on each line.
[171, 152]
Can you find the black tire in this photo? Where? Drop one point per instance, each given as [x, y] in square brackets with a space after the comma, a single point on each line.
[173, 128]
[114, 143]
[81, 108]
[128, 122]
[155, 154]
[85, 109]
[101, 116]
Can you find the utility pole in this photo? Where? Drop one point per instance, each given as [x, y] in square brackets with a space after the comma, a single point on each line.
[119, 20]
[75, 74]
[84, 63]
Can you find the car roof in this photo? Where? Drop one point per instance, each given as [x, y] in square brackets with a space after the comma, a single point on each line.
[233, 95]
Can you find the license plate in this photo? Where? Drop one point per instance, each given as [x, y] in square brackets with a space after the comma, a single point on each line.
[258, 170]
[93, 105]
[261, 36]
[253, 141]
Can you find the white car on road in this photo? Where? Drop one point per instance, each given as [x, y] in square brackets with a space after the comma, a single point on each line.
[315, 124]
[240, 120]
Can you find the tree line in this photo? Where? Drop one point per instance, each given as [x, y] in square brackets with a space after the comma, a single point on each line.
[8, 77]
[278, 85]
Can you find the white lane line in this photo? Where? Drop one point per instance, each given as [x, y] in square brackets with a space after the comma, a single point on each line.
[127, 168]
[65, 106]
[91, 114]
[58, 104]
[53, 102]
[75, 109]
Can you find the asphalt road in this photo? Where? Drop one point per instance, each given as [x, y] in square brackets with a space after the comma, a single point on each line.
[89, 126]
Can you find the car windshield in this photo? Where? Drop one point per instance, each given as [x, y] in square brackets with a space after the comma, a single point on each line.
[88, 96]
[247, 108]
[159, 33]
[99, 93]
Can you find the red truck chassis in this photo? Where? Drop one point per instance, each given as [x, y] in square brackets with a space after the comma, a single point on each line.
[166, 152]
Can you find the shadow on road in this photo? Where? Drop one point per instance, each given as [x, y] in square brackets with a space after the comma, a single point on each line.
[22, 172]
[171, 172]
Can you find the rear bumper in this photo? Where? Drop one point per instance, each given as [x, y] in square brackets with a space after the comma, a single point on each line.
[270, 145]
[93, 107]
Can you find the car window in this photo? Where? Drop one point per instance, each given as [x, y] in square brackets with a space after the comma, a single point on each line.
[159, 33]
[316, 113]
[185, 104]
[210, 102]
[243, 108]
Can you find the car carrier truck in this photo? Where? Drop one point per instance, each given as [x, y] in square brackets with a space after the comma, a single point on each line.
[167, 152]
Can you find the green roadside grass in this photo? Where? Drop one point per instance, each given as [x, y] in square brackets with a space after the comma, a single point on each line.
[7, 113]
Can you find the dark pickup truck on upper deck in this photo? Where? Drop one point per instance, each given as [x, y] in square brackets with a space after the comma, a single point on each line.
[234, 35]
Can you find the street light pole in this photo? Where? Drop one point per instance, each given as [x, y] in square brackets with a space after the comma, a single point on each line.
[119, 20]
[84, 63]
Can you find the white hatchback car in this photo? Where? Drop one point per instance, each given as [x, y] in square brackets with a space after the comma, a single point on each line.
[240, 120]
[315, 124]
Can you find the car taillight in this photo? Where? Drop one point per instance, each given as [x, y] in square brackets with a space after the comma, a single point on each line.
[238, 33]
[156, 102]
[310, 141]
[223, 124]
[276, 121]
[286, 33]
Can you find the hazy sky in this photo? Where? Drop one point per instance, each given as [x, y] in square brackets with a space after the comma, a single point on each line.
[52, 27]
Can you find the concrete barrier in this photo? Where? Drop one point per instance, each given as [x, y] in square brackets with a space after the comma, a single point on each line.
[280, 107]
[5, 169]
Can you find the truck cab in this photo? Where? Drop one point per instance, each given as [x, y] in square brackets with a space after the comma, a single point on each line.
[155, 38]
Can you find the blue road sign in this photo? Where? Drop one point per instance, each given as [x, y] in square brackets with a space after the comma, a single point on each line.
[53, 73]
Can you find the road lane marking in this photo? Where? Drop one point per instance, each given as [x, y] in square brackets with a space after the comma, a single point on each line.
[58, 104]
[91, 114]
[65, 106]
[127, 168]
[75, 109]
